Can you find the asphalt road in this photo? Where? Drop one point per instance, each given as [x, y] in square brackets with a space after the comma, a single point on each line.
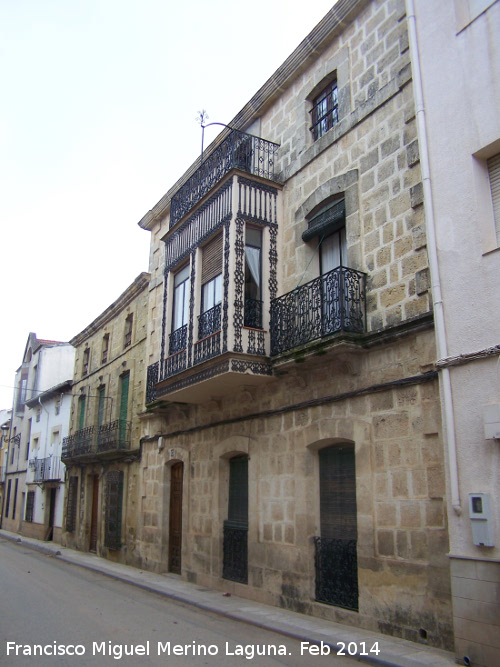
[65, 609]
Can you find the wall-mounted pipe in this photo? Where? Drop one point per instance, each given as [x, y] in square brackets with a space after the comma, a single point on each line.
[442, 344]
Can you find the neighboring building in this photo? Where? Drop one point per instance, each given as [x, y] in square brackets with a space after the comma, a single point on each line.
[37, 426]
[459, 132]
[5, 416]
[102, 452]
[45, 477]
[292, 449]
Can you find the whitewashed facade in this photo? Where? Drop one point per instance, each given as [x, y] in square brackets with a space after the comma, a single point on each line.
[34, 475]
[459, 136]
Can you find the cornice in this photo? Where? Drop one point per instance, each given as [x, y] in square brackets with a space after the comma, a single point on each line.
[138, 286]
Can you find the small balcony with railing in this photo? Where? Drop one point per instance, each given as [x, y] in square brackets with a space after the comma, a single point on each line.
[48, 469]
[328, 308]
[94, 443]
[224, 216]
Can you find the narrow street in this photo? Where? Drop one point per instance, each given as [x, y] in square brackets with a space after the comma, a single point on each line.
[67, 609]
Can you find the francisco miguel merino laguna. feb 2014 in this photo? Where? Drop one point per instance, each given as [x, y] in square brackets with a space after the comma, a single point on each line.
[249, 651]
[119, 651]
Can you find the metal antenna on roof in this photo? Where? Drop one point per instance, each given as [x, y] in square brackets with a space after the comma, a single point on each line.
[201, 118]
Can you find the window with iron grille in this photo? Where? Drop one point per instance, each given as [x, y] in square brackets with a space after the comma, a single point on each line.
[30, 506]
[113, 515]
[72, 503]
[325, 111]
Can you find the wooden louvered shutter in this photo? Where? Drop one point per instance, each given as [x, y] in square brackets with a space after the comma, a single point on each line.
[337, 480]
[494, 174]
[212, 259]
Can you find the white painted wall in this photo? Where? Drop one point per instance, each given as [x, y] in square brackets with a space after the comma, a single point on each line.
[460, 61]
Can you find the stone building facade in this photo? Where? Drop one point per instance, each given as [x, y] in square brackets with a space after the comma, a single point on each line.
[292, 444]
[102, 451]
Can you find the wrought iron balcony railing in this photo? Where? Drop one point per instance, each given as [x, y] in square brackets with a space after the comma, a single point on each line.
[178, 339]
[152, 379]
[79, 443]
[334, 302]
[239, 150]
[253, 313]
[95, 440]
[113, 435]
[209, 322]
[47, 469]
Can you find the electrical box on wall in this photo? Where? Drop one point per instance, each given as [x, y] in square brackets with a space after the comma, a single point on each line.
[491, 414]
[481, 519]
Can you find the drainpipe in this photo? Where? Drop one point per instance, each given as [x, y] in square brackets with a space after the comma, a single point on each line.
[442, 344]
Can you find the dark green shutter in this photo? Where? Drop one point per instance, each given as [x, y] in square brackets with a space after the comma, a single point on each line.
[124, 380]
[81, 416]
[124, 396]
[100, 413]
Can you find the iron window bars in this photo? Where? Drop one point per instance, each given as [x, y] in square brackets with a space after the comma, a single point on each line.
[325, 111]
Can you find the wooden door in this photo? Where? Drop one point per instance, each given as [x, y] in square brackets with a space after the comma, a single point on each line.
[175, 520]
[94, 515]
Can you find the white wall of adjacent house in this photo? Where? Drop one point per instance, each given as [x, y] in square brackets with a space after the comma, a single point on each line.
[460, 67]
[54, 365]
[45, 445]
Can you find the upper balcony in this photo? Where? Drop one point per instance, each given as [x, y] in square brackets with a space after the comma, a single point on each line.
[95, 443]
[239, 150]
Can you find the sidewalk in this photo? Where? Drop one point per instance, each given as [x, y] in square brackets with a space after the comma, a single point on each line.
[393, 652]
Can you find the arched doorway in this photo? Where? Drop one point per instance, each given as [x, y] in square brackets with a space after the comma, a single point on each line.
[235, 546]
[336, 547]
[175, 518]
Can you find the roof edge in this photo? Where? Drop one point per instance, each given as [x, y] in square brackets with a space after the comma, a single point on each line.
[132, 291]
[336, 20]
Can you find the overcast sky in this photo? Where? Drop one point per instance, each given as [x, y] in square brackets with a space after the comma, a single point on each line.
[97, 122]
